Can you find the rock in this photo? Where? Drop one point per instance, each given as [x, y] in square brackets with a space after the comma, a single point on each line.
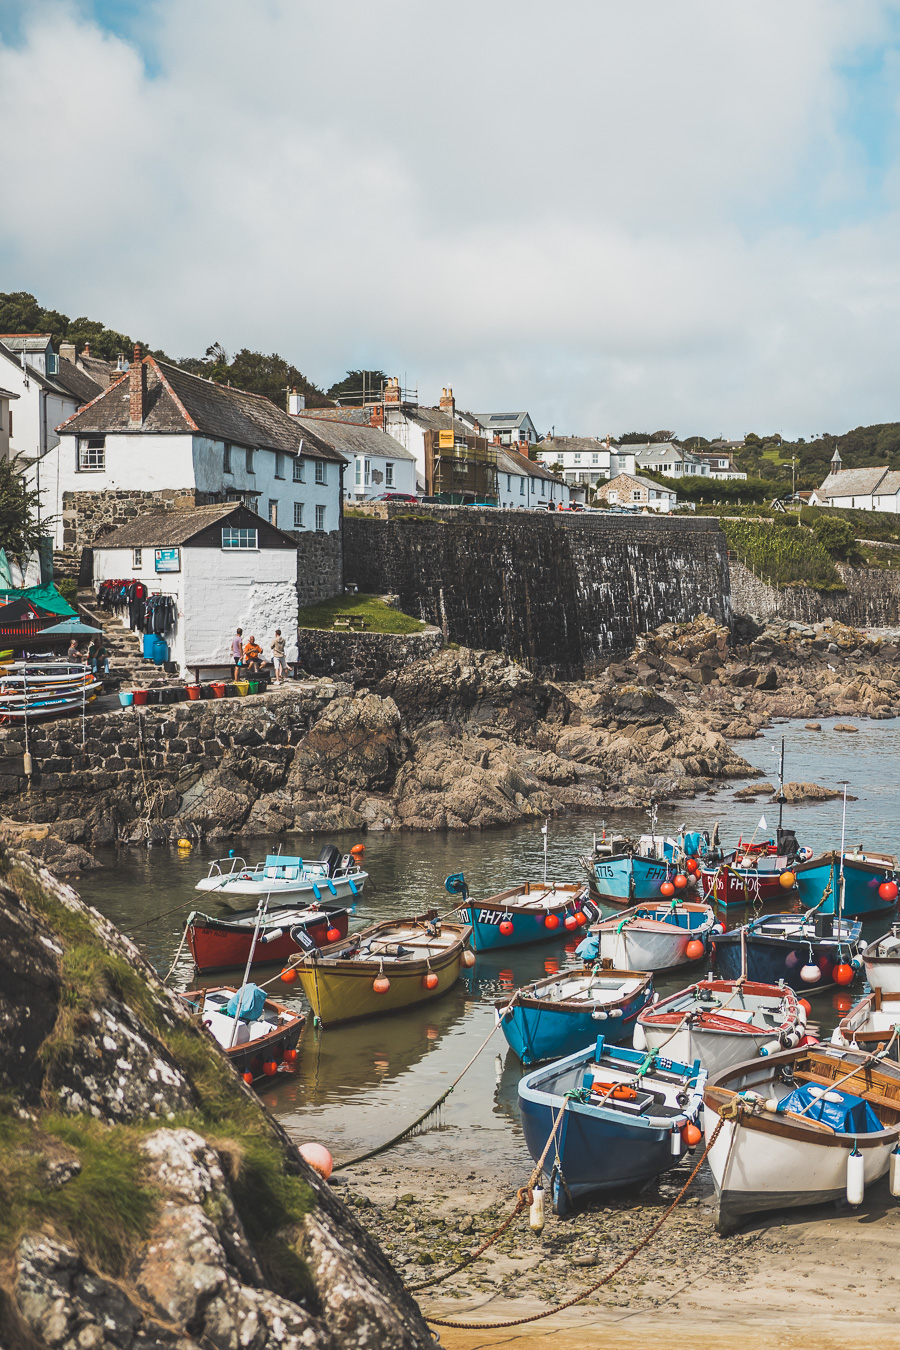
[813, 726]
[586, 1259]
[846, 726]
[808, 792]
[754, 790]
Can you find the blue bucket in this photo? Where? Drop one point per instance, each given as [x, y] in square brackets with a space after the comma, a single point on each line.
[126, 699]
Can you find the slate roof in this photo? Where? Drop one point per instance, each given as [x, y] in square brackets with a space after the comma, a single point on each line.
[351, 438]
[7, 393]
[178, 403]
[361, 416]
[168, 529]
[33, 373]
[509, 462]
[435, 419]
[637, 478]
[29, 342]
[581, 444]
[76, 382]
[502, 421]
[855, 483]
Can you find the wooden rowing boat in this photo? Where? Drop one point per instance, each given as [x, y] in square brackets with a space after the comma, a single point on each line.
[259, 1043]
[393, 965]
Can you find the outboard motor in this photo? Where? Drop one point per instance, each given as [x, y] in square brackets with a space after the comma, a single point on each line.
[331, 857]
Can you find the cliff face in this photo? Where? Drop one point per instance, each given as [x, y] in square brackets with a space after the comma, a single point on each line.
[146, 1198]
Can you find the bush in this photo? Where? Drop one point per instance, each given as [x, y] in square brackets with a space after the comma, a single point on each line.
[784, 558]
[68, 589]
[835, 535]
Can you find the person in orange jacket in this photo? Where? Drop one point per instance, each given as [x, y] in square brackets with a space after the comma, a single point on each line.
[252, 653]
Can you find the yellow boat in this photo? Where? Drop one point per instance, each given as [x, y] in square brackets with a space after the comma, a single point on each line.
[390, 966]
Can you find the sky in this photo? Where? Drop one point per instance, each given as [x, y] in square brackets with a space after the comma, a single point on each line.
[618, 217]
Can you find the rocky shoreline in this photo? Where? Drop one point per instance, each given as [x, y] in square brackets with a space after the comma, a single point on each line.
[461, 740]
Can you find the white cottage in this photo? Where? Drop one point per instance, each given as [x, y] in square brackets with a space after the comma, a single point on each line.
[160, 436]
[29, 370]
[378, 463]
[222, 567]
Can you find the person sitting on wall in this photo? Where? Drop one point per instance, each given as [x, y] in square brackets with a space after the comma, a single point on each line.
[252, 653]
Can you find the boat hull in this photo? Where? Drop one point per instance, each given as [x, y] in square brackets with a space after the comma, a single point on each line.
[528, 918]
[645, 943]
[629, 878]
[770, 959]
[861, 882]
[882, 963]
[220, 945]
[742, 887]
[234, 892]
[539, 1029]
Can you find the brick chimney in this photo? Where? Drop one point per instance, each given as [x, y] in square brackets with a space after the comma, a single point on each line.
[67, 351]
[392, 390]
[137, 388]
[376, 416]
[447, 403]
[86, 349]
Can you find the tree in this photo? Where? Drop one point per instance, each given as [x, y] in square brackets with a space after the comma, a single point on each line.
[271, 376]
[357, 385]
[19, 529]
[835, 535]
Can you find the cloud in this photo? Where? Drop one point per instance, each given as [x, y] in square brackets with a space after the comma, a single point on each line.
[618, 217]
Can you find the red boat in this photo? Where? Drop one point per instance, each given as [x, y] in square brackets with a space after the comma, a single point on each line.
[751, 876]
[224, 944]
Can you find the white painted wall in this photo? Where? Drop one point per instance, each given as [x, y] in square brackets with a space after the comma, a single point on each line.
[5, 405]
[216, 591]
[366, 477]
[524, 490]
[410, 435]
[36, 413]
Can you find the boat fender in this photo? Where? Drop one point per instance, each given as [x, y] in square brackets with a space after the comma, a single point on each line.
[770, 1048]
[331, 886]
[717, 929]
[675, 1143]
[639, 1039]
[682, 1098]
[615, 1012]
[316, 892]
[895, 1171]
[772, 1104]
[599, 1015]
[856, 1177]
[352, 884]
[271, 935]
[536, 1212]
[789, 1039]
[802, 1013]
[861, 945]
[655, 998]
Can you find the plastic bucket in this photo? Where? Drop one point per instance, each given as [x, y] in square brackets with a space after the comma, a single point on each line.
[126, 699]
[140, 697]
[147, 642]
[159, 650]
[193, 690]
[253, 686]
[218, 688]
[242, 686]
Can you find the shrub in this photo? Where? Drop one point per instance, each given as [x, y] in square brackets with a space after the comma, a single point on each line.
[782, 557]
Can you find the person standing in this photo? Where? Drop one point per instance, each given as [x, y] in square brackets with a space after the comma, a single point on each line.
[278, 656]
[73, 654]
[237, 653]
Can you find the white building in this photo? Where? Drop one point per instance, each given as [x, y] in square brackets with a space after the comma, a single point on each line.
[525, 483]
[585, 461]
[160, 433]
[637, 493]
[508, 428]
[720, 463]
[378, 463]
[222, 566]
[668, 459]
[7, 398]
[861, 489]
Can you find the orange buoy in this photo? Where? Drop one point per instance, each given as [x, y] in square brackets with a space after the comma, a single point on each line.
[667, 888]
[358, 850]
[290, 1056]
[888, 890]
[680, 881]
[333, 935]
[694, 950]
[571, 922]
[430, 980]
[247, 1077]
[318, 1158]
[288, 975]
[691, 1134]
[381, 984]
[806, 1006]
[692, 865]
[270, 1068]
[552, 921]
[843, 974]
[507, 928]
[787, 880]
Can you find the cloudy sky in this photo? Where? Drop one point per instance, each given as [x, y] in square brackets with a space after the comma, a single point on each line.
[681, 215]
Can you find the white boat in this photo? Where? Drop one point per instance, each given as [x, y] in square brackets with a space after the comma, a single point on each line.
[882, 962]
[652, 936]
[801, 1127]
[45, 688]
[871, 1023]
[722, 1022]
[331, 876]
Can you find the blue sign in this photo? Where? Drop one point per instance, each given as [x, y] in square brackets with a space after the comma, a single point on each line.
[168, 559]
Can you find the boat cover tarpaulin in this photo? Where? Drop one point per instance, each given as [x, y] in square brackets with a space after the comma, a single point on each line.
[849, 1115]
[48, 597]
[252, 1002]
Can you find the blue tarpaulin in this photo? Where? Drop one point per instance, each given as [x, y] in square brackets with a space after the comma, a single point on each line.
[692, 843]
[850, 1115]
[589, 948]
[253, 1000]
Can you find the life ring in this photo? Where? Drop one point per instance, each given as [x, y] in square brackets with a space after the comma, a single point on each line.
[617, 1092]
[804, 854]
[792, 1028]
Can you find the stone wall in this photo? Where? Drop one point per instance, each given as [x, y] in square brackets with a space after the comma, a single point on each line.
[320, 565]
[871, 600]
[363, 658]
[558, 591]
[89, 515]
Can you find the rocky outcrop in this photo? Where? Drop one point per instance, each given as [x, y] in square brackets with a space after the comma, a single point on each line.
[150, 1200]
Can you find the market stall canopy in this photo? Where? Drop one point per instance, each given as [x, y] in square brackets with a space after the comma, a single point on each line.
[71, 628]
[46, 597]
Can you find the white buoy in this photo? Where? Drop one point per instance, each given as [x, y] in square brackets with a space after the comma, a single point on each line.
[810, 974]
[639, 1039]
[856, 1178]
[895, 1172]
[536, 1212]
[675, 1144]
[770, 1048]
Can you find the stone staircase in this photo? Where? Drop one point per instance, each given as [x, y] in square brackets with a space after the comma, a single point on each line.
[127, 663]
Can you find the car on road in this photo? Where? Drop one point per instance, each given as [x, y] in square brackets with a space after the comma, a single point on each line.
[394, 497]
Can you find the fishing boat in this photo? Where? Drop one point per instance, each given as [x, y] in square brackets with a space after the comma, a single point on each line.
[535, 912]
[800, 1127]
[221, 944]
[622, 870]
[882, 962]
[652, 937]
[258, 1035]
[722, 1022]
[383, 969]
[752, 875]
[607, 1118]
[340, 877]
[871, 1022]
[870, 883]
[559, 1015]
[803, 950]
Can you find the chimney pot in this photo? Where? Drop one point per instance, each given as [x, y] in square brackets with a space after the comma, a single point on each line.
[86, 349]
[137, 387]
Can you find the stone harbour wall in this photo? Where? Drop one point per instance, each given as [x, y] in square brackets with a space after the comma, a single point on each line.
[363, 658]
[320, 565]
[89, 515]
[558, 591]
[871, 600]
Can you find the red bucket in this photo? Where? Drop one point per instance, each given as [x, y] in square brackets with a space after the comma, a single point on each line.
[218, 688]
[193, 691]
[140, 696]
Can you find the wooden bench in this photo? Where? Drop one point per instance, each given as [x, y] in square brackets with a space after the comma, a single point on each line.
[349, 621]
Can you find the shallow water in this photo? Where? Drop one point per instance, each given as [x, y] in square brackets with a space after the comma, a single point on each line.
[358, 1085]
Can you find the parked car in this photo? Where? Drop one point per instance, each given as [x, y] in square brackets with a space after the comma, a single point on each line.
[394, 497]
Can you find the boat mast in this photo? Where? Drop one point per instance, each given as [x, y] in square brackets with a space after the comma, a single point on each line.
[544, 829]
[841, 872]
[261, 909]
[781, 788]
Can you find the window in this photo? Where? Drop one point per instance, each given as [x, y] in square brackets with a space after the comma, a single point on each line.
[137, 557]
[298, 515]
[543, 487]
[298, 471]
[92, 453]
[320, 471]
[250, 468]
[273, 512]
[636, 495]
[613, 495]
[577, 459]
[233, 537]
[595, 459]
[279, 464]
[359, 466]
[509, 482]
[388, 474]
[368, 472]
[226, 458]
[521, 487]
[320, 517]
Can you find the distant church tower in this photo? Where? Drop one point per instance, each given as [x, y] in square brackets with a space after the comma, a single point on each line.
[837, 463]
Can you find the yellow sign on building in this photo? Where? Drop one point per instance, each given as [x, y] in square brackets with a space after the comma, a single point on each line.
[445, 440]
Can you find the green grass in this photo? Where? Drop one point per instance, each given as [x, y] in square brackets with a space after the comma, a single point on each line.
[883, 526]
[782, 557]
[379, 616]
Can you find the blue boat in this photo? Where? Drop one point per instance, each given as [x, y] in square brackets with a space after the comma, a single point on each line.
[557, 1016]
[627, 877]
[818, 881]
[615, 1116]
[535, 912]
[783, 946]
